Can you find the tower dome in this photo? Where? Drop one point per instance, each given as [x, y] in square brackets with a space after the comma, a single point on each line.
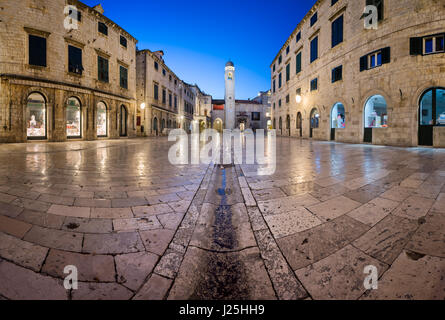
[230, 64]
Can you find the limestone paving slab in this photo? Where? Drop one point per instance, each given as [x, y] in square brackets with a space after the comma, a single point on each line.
[113, 243]
[69, 211]
[133, 268]
[14, 227]
[418, 278]
[414, 207]
[157, 241]
[147, 223]
[56, 239]
[288, 223]
[93, 268]
[386, 240]
[23, 253]
[339, 276]
[430, 237]
[373, 211]
[101, 291]
[86, 225]
[283, 205]
[18, 283]
[334, 208]
[155, 288]
[268, 194]
[307, 247]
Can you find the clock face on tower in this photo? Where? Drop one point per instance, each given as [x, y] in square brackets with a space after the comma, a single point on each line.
[230, 76]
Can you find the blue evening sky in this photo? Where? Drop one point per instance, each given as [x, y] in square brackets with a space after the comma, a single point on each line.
[199, 36]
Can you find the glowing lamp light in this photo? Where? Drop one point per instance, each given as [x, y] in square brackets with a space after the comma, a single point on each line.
[298, 98]
[142, 106]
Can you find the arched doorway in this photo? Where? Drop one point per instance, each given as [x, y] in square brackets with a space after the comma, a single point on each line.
[314, 121]
[155, 126]
[431, 114]
[73, 118]
[274, 124]
[288, 124]
[337, 118]
[123, 123]
[300, 124]
[375, 116]
[280, 125]
[36, 116]
[217, 125]
[169, 124]
[101, 120]
[162, 126]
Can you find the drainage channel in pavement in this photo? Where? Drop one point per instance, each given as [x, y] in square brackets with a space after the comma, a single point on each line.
[223, 261]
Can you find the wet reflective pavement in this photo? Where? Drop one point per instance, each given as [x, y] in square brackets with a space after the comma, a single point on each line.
[137, 227]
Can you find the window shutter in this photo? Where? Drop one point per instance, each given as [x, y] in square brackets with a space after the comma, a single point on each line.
[298, 62]
[363, 63]
[386, 55]
[415, 46]
[37, 51]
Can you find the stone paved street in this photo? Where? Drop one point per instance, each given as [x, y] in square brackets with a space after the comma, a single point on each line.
[137, 227]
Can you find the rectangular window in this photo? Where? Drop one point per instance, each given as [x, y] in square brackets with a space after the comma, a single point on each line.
[287, 99]
[273, 68]
[298, 37]
[298, 92]
[164, 96]
[37, 51]
[333, 2]
[170, 100]
[102, 68]
[337, 31]
[123, 41]
[314, 49]
[279, 80]
[433, 44]
[298, 62]
[102, 28]
[287, 50]
[375, 59]
[380, 6]
[256, 116]
[176, 102]
[274, 105]
[156, 92]
[314, 18]
[288, 72]
[164, 72]
[314, 84]
[75, 60]
[337, 74]
[274, 86]
[280, 59]
[156, 65]
[279, 103]
[123, 76]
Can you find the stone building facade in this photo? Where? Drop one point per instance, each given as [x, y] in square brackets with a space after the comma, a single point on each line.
[334, 79]
[249, 114]
[164, 101]
[203, 108]
[60, 82]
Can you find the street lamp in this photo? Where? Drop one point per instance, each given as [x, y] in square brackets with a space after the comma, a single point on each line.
[143, 106]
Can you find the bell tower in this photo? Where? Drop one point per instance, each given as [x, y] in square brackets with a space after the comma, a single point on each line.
[229, 96]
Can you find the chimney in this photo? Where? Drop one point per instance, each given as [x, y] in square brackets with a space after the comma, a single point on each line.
[99, 8]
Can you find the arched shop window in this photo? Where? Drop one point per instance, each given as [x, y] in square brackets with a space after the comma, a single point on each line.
[299, 120]
[281, 123]
[73, 118]
[376, 114]
[432, 106]
[102, 120]
[36, 116]
[338, 116]
[315, 118]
